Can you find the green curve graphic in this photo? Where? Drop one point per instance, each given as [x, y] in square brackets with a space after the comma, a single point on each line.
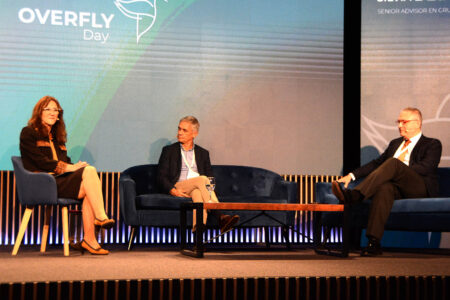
[106, 83]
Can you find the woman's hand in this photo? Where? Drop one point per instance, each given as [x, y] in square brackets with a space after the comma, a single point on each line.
[81, 164]
[78, 165]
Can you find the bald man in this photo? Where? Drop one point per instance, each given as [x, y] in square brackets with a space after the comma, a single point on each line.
[406, 169]
[184, 168]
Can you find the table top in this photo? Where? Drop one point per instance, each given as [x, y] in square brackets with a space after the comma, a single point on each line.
[274, 206]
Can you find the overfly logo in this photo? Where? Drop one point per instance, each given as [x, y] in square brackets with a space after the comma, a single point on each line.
[143, 11]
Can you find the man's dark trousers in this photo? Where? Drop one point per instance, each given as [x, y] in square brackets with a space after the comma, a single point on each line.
[391, 180]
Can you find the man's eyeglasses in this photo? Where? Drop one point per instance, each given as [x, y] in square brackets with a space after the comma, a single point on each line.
[404, 122]
[54, 110]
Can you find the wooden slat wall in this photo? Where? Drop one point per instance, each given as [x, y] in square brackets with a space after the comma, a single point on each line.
[306, 194]
[11, 214]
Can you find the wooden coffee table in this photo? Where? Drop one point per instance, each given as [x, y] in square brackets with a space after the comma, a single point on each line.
[199, 247]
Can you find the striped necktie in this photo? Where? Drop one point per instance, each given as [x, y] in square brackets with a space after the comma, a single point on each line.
[403, 155]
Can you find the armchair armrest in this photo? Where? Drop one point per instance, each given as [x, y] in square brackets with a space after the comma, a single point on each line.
[324, 194]
[40, 188]
[285, 190]
[291, 188]
[127, 188]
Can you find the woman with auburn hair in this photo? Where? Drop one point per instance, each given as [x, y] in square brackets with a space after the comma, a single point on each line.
[43, 149]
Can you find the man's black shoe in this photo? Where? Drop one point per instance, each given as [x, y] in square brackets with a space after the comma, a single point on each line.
[346, 196]
[227, 222]
[373, 248]
[341, 194]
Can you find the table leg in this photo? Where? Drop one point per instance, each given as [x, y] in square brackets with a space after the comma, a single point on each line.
[345, 231]
[198, 247]
[317, 230]
[285, 231]
[321, 247]
[182, 231]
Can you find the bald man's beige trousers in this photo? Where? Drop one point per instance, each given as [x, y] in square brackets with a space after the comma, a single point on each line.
[196, 189]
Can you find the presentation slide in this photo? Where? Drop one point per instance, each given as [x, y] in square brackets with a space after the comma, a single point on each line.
[263, 77]
[405, 62]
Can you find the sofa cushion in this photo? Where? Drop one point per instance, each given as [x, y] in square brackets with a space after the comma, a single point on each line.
[425, 205]
[165, 201]
[144, 177]
[242, 180]
[160, 201]
[412, 205]
[444, 182]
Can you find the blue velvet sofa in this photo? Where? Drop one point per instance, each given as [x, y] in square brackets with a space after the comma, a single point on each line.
[143, 204]
[418, 214]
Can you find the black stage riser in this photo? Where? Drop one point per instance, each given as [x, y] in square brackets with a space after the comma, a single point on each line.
[319, 288]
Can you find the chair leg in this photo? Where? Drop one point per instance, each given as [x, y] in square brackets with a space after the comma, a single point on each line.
[65, 224]
[75, 228]
[267, 236]
[48, 211]
[72, 225]
[285, 233]
[102, 232]
[22, 229]
[102, 236]
[132, 236]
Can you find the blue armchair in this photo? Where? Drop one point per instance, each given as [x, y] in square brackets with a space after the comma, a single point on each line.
[39, 189]
[143, 204]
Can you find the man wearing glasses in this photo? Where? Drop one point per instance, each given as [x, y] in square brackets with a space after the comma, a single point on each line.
[406, 169]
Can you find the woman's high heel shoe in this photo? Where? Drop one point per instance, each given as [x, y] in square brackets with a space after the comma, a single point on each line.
[105, 223]
[95, 251]
[76, 246]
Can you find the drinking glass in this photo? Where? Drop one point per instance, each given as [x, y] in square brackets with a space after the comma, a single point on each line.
[211, 185]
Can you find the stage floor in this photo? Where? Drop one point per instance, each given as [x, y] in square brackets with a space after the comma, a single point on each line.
[147, 263]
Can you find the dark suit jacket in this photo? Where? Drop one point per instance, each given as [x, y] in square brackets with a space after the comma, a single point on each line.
[36, 152]
[424, 159]
[169, 166]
